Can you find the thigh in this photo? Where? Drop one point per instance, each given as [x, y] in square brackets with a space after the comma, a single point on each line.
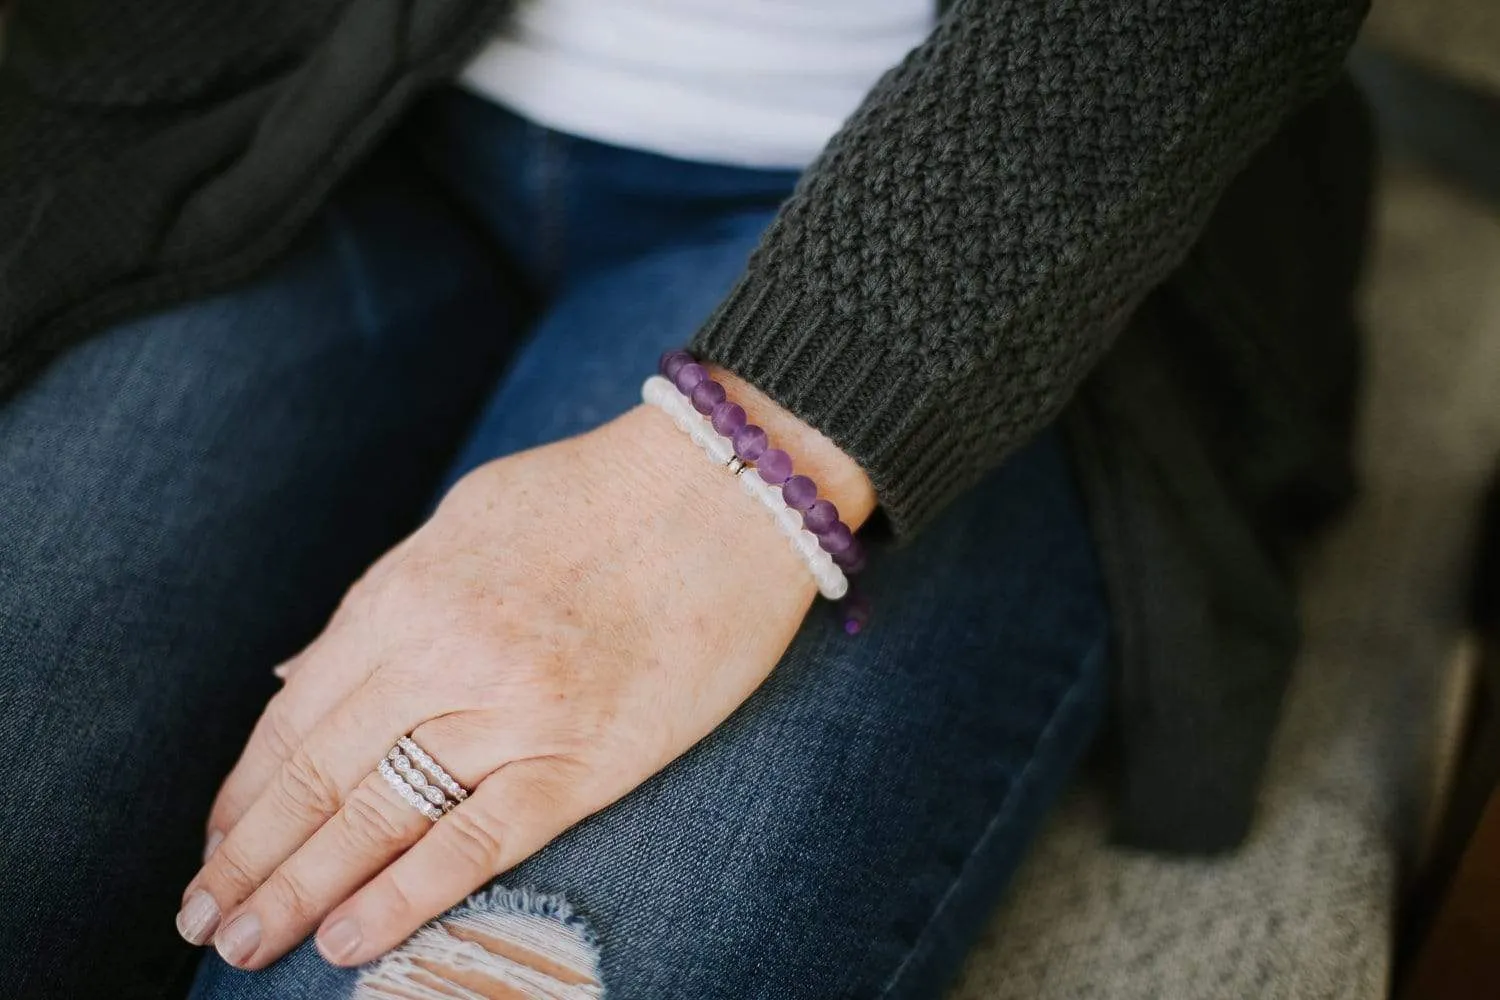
[845, 832]
[183, 498]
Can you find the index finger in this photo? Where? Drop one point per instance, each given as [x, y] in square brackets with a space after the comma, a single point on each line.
[321, 681]
[308, 788]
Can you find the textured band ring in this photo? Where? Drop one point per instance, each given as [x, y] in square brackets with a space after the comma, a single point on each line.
[407, 792]
[419, 780]
[434, 770]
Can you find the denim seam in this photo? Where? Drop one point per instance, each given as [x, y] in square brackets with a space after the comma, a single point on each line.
[1049, 732]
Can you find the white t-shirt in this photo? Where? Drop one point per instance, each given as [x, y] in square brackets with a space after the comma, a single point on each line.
[762, 83]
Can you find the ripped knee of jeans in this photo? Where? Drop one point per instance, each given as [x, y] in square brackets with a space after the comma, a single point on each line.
[500, 944]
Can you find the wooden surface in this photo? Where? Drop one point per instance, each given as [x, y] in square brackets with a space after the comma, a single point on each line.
[1461, 957]
[1455, 915]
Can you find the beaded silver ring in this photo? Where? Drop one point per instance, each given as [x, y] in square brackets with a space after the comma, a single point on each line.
[434, 770]
[419, 780]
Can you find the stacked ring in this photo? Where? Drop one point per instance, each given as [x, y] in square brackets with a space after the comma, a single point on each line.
[419, 780]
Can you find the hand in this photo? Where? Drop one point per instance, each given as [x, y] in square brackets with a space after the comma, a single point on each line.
[570, 620]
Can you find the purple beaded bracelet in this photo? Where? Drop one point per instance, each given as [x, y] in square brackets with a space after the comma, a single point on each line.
[773, 465]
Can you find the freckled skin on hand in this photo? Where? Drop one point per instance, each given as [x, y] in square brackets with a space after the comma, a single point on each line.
[550, 669]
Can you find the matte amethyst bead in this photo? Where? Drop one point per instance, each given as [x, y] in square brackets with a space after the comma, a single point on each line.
[688, 377]
[799, 492]
[852, 559]
[727, 418]
[856, 612]
[749, 442]
[774, 466]
[706, 395]
[836, 539]
[672, 362]
[821, 516]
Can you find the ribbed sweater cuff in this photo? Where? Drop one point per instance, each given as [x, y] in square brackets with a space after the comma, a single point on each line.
[879, 409]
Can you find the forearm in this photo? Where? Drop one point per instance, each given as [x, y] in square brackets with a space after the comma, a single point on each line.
[971, 241]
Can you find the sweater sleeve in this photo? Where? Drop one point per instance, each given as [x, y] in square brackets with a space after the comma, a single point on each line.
[968, 244]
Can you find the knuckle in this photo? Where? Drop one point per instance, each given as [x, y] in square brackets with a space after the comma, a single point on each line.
[306, 788]
[282, 738]
[369, 824]
[227, 809]
[476, 840]
[398, 903]
[226, 868]
[292, 896]
[560, 784]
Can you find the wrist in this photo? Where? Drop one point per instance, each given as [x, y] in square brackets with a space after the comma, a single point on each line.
[666, 475]
[840, 479]
[817, 519]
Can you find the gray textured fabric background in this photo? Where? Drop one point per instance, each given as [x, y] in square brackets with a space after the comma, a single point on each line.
[1305, 911]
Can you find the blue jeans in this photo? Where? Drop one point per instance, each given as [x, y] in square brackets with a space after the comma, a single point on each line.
[184, 497]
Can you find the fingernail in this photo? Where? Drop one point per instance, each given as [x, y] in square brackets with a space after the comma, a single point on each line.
[214, 836]
[239, 939]
[198, 917]
[339, 940]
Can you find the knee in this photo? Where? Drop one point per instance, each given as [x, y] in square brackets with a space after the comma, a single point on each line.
[501, 944]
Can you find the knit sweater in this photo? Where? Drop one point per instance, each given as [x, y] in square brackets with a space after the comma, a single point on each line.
[941, 282]
[973, 239]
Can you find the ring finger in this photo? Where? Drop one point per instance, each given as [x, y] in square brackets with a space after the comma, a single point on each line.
[375, 825]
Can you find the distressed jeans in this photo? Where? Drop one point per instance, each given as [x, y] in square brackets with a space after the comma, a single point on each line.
[184, 497]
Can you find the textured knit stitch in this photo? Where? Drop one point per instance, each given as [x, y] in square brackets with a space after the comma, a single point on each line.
[973, 238]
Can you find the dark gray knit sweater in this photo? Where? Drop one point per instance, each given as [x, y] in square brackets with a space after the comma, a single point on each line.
[1007, 201]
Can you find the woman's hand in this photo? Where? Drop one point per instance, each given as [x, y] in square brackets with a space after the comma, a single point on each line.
[569, 621]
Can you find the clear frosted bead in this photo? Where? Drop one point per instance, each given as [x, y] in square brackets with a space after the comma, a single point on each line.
[806, 544]
[657, 391]
[719, 449]
[791, 522]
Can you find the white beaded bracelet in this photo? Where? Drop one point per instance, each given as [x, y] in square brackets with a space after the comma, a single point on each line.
[832, 583]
